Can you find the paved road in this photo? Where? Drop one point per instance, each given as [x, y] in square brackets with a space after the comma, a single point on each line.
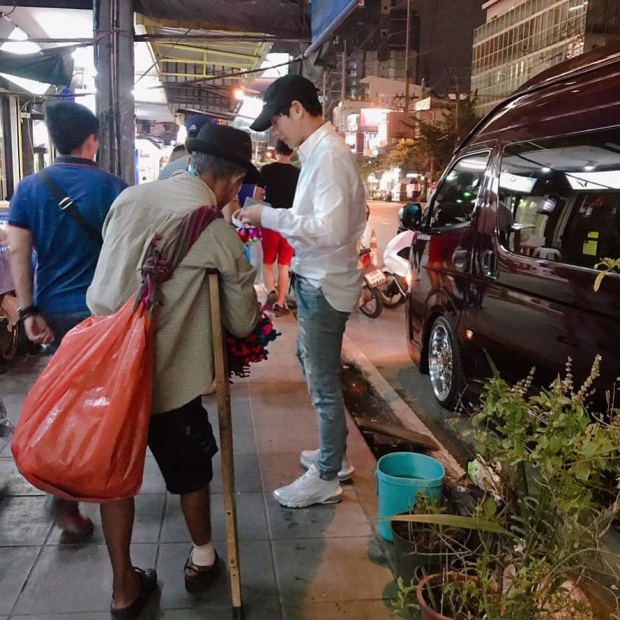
[383, 342]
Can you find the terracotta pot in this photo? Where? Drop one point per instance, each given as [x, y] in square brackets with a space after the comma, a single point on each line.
[430, 581]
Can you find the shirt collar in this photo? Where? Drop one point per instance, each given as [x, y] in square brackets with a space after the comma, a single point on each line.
[207, 197]
[305, 149]
[75, 161]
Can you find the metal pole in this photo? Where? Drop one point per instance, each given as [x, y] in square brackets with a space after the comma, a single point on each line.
[102, 16]
[113, 29]
[456, 113]
[124, 62]
[407, 57]
[343, 85]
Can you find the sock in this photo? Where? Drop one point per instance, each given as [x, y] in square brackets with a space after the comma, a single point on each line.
[203, 555]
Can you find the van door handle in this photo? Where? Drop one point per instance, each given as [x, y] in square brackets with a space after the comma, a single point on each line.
[459, 258]
[489, 263]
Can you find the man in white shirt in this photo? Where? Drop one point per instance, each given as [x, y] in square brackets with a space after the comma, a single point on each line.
[327, 219]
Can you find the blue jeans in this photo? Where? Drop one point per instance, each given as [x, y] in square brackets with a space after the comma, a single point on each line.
[319, 343]
[61, 323]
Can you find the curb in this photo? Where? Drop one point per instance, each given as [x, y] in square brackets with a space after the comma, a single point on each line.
[353, 355]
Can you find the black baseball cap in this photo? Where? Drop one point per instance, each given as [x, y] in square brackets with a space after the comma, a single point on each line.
[281, 94]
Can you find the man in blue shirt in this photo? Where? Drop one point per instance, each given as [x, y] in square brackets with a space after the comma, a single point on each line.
[66, 254]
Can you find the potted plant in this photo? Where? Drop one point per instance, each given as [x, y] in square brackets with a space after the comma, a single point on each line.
[555, 486]
[422, 548]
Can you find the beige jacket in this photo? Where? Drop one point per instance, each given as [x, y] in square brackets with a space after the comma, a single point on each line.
[184, 367]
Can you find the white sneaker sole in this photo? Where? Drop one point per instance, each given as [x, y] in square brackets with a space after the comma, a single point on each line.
[342, 476]
[289, 504]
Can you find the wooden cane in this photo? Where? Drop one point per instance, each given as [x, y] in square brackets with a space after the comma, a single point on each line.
[226, 445]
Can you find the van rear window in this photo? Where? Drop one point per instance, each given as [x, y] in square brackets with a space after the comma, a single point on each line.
[560, 198]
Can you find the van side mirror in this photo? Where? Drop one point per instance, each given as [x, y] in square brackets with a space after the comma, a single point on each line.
[410, 216]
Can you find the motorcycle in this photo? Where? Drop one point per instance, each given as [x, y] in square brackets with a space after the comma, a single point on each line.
[395, 268]
[371, 301]
[9, 314]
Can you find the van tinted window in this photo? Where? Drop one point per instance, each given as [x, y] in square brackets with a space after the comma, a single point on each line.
[455, 198]
[560, 198]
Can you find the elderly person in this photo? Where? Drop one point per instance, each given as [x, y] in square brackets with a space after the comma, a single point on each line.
[180, 435]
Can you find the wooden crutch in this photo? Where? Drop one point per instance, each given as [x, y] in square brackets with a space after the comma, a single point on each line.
[226, 445]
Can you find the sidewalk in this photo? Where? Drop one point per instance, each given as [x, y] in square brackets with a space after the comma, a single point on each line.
[321, 563]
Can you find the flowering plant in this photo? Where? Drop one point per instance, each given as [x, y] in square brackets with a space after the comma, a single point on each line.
[252, 348]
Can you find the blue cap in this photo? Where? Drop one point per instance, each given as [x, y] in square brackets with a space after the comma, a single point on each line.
[195, 123]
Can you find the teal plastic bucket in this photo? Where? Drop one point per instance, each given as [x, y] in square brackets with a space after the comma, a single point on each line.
[400, 476]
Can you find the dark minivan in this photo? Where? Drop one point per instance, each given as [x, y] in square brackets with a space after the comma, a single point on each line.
[503, 262]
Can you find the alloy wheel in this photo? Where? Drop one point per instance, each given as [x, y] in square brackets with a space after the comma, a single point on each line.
[440, 362]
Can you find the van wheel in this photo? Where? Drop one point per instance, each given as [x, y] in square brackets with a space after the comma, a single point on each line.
[444, 364]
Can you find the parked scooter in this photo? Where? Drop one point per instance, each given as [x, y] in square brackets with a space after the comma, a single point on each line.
[395, 267]
[396, 255]
[371, 301]
[9, 315]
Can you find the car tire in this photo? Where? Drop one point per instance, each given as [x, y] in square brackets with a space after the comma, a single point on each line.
[374, 307]
[444, 364]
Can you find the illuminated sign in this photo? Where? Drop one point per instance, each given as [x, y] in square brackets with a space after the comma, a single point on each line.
[371, 119]
[423, 104]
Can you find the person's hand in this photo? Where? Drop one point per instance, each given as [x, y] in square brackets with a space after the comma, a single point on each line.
[37, 330]
[251, 214]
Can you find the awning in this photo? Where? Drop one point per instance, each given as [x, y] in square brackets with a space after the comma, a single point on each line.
[282, 18]
[201, 68]
[52, 66]
[285, 19]
[327, 15]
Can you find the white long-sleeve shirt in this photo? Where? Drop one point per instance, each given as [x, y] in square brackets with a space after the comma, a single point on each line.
[327, 219]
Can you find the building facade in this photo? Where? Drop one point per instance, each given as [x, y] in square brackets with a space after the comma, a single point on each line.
[425, 42]
[520, 39]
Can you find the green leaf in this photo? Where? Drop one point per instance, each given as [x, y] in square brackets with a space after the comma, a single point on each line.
[471, 523]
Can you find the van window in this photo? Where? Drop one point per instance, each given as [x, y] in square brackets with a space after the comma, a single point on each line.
[560, 198]
[455, 198]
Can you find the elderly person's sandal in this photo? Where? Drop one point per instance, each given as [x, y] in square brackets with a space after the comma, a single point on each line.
[148, 585]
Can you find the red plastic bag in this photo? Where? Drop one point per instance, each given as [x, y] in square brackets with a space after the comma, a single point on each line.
[83, 429]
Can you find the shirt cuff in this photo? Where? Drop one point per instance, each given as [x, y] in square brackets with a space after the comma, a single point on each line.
[269, 218]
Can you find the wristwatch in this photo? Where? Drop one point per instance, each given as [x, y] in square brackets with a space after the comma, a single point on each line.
[31, 310]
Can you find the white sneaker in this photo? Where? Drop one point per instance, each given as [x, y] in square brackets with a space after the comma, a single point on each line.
[309, 489]
[310, 457]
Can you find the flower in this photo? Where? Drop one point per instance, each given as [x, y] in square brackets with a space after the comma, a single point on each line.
[252, 348]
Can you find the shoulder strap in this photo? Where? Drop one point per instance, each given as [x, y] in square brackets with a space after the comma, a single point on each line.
[67, 205]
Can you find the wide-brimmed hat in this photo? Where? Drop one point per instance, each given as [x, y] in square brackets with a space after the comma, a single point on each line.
[280, 94]
[228, 143]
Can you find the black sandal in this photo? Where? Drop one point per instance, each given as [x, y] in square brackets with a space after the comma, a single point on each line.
[148, 585]
[201, 576]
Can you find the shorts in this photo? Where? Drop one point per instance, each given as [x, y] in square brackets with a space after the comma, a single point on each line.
[183, 445]
[275, 245]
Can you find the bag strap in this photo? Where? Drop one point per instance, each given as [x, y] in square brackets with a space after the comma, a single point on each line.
[67, 205]
[164, 255]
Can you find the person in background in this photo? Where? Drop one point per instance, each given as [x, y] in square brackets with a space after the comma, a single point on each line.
[278, 182]
[177, 152]
[181, 161]
[324, 225]
[180, 435]
[66, 254]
